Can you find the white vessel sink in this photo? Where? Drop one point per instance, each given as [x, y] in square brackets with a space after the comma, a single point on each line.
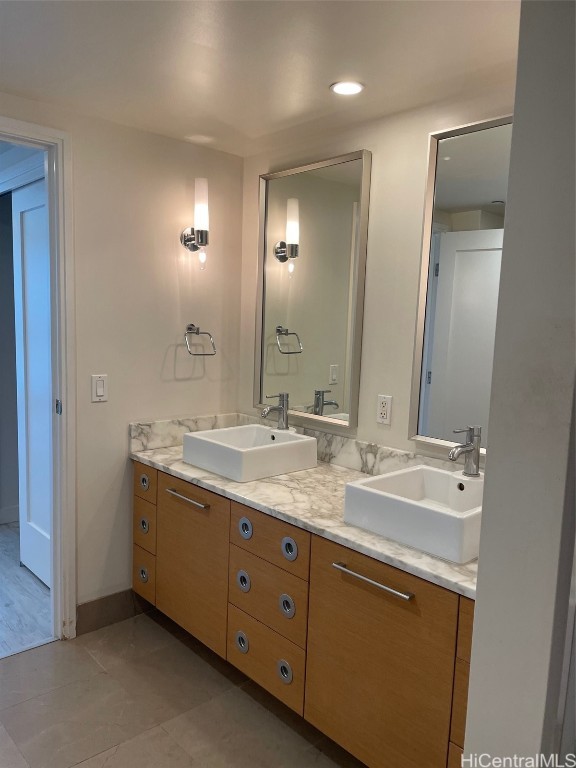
[250, 452]
[431, 509]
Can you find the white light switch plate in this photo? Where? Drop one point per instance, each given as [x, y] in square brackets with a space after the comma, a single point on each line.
[333, 378]
[99, 387]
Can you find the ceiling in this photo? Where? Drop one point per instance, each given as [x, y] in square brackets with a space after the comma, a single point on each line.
[10, 154]
[235, 74]
[472, 170]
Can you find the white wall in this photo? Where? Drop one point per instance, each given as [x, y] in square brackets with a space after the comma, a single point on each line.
[399, 147]
[528, 517]
[133, 193]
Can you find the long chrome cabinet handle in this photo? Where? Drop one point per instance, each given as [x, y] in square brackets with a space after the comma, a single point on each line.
[172, 492]
[401, 595]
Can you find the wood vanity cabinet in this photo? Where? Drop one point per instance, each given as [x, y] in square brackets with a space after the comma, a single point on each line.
[380, 668]
[144, 532]
[454, 756]
[192, 529]
[325, 629]
[461, 676]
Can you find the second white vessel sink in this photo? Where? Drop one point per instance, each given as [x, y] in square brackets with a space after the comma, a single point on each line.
[250, 452]
[431, 509]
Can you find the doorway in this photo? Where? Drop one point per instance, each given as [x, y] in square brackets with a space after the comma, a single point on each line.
[25, 402]
[37, 469]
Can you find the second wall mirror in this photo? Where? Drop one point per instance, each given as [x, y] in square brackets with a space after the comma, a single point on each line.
[312, 257]
[460, 279]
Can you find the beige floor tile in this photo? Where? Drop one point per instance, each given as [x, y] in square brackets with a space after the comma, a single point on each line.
[10, 757]
[126, 641]
[172, 679]
[43, 669]
[70, 724]
[335, 755]
[233, 730]
[212, 659]
[295, 722]
[314, 758]
[80, 720]
[153, 749]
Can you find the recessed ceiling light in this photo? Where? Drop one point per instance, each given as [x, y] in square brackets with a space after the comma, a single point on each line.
[347, 88]
[447, 158]
[498, 202]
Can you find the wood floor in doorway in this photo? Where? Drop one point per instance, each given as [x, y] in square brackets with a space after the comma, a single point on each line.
[25, 612]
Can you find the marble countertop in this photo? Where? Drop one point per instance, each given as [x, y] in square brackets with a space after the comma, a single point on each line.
[313, 499]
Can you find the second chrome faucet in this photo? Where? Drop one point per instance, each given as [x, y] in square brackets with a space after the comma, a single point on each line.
[281, 408]
[471, 449]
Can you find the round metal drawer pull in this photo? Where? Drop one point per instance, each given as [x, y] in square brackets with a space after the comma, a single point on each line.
[144, 525]
[143, 575]
[287, 606]
[242, 642]
[144, 482]
[284, 671]
[289, 548]
[243, 581]
[245, 528]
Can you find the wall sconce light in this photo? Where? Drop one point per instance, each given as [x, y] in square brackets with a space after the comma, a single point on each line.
[196, 238]
[288, 249]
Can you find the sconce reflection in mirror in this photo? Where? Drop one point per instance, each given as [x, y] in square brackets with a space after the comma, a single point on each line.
[196, 238]
[194, 329]
[288, 249]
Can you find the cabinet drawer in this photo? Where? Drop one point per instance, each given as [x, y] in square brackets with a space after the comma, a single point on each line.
[269, 659]
[192, 559]
[278, 542]
[145, 482]
[460, 702]
[144, 524]
[380, 669]
[144, 574]
[454, 757]
[269, 594]
[465, 623]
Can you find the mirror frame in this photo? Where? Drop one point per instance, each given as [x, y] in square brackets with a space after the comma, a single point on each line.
[309, 420]
[435, 138]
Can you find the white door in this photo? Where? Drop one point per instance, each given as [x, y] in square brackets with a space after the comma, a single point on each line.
[464, 329]
[33, 375]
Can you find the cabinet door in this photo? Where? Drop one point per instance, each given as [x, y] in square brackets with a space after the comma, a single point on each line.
[192, 559]
[274, 597]
[145, 482]
[144, 574]
[269, 659]
[380, 669]
[273, 540]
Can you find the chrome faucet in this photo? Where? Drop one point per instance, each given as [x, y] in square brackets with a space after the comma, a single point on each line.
[282, 409]
[320, 403]
[472, 450]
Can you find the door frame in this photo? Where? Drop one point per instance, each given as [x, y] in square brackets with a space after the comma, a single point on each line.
[58, 174]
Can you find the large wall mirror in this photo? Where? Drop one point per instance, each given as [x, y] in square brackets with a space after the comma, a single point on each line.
[460, 277]
[313, 233]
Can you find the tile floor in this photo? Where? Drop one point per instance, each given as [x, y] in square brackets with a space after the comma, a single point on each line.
[144, 694]
[25, 611]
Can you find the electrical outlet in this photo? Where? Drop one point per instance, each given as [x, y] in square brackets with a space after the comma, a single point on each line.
[384, 409]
